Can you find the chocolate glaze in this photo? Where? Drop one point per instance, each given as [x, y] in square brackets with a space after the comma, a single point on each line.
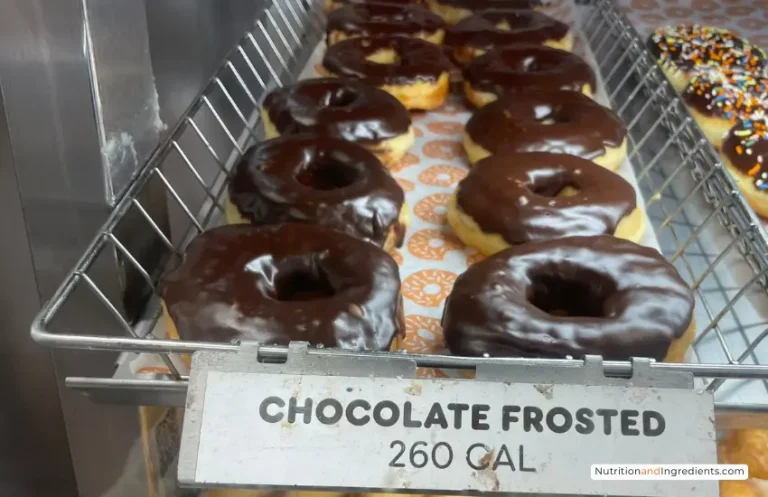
[515, 196]
[384, 20]
[342, 108]
[581, 126]
[476, 5]
[318, 180]
[570, 296]
[481, 30]
[746, 147]
[419, 60]
[525, 67]
[285, 283]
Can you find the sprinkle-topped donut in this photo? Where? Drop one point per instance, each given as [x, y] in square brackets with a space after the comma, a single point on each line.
[731, 94]
[718, 97]
[745, 155]
[385, 20]
[682, 48]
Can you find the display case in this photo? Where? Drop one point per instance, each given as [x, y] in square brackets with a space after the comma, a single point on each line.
[699, 220]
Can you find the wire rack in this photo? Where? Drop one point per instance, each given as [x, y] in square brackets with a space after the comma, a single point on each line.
[702, 223]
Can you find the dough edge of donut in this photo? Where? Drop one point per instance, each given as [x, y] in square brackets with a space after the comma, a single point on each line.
[631, 227]
[452, 15]
[611, 158]
[714, 127]
[389, 152]
[480, 98]
[757, 199]
[420, 95]
[234, 216]
[466, 53]
[434, 37]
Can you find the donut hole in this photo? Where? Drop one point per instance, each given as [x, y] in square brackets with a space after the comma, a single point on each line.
[571, 292]
[302, 283]
[327, 174]
[343, 97]
[384, 56]
[553, 186]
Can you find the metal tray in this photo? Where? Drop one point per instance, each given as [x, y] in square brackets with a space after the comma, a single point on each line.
[703, 224]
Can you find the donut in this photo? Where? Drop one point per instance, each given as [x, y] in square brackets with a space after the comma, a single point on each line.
[385, 20]
[486, 29]
[415, 71]
[742, 488]
[716, 98]
[277, 284]
[681, 49]
[557, 121]
[571, 297]
[531, 196]
[745, 155]
[748, 447]
[341, 108]
[317, 180]
[331, 5]
[454, 11]
[518, 68]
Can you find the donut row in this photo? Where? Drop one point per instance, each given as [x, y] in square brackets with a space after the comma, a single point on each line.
[313, 211]
[723, 80]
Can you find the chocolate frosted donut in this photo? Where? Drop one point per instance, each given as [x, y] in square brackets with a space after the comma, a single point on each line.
[385, 20]
[341, 108]
[518, 68]
[745, 155]
[486, 29]
[415, 71]
[571, 297]
[317, 180]
[553, 121]
[682, 49]
[285, 283]
[526, 197]
[454, 11]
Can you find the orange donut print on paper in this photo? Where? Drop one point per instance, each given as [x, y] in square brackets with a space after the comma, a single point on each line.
[432, 208]
[423, 335]
[445, 128]
[418, 116]
[433, 245]
[417, 132]
[443, 149]
[406, 185]
[442, 175]
[428, 288]
[408, 160]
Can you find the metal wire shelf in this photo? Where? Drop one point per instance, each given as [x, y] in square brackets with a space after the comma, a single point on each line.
[702, 222]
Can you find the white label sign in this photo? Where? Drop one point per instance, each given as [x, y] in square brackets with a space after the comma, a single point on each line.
[437, 436]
